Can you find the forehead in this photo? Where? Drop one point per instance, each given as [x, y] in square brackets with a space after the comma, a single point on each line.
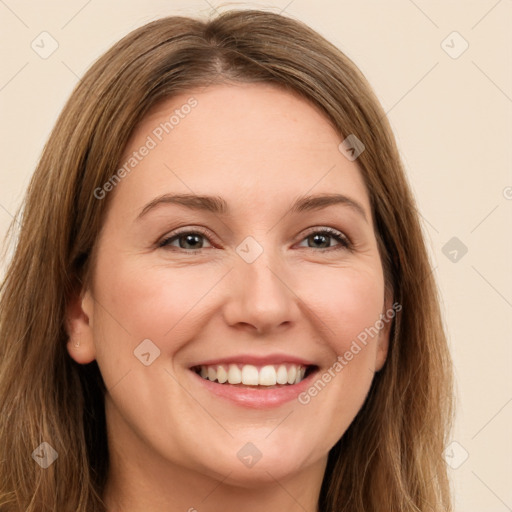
[252, 141]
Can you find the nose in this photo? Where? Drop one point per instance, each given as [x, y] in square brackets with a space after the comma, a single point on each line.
[261, 298]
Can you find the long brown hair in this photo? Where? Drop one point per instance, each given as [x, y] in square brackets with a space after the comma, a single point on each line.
[390, 458]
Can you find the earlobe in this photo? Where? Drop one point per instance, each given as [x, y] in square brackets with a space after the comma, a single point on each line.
[80, 344]
[382, 351]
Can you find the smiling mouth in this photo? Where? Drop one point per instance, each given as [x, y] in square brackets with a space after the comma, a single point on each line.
[248, 375]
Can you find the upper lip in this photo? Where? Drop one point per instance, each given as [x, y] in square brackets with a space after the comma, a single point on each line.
[256, 360]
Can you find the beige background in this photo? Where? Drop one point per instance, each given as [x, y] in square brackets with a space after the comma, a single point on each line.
[452, 119]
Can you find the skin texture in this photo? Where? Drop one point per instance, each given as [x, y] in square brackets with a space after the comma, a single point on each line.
[173, 444]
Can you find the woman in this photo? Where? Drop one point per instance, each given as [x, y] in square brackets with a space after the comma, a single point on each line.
[220, 297]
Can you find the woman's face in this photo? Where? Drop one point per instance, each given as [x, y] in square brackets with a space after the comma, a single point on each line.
[214, 259]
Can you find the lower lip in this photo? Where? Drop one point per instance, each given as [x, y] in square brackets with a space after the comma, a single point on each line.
[257, 398]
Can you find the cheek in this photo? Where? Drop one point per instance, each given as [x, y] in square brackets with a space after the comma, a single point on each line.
[349, 302]
[159, 303]
[151, 301]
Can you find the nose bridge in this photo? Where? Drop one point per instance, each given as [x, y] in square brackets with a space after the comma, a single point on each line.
[260, 296]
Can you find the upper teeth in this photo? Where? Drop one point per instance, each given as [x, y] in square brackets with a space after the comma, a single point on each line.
[250, 375]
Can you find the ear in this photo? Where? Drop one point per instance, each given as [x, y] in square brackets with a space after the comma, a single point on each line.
[79, 312]
[388, 314]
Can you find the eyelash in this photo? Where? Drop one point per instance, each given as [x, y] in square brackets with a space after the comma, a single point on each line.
[344, 242]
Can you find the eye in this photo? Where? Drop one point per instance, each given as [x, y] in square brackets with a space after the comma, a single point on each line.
[191, 240]
[322, 238]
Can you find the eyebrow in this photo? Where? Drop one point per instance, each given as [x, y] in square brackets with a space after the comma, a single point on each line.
[319, 201]
[218, 205]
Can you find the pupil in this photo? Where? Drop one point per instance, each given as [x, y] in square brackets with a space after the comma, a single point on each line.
[190, 240]
[318, 238]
